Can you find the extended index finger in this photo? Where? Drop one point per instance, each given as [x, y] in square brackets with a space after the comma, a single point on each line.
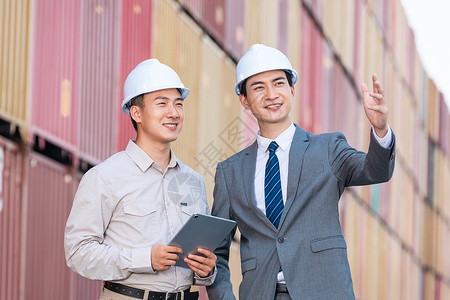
[376, 85]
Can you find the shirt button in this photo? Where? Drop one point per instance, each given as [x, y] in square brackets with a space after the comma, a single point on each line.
[280, 240]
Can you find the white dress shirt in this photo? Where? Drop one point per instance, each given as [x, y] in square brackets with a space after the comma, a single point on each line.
[284, 141]
[123, 207]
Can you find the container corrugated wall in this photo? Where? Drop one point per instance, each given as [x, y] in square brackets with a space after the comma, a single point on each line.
[188, 67]
[234, 27]
[56, 72]
[257, 29]
[14, 61]
[397, 232]
[50, 189]
[135, 46]
[214, 16]
[11, 166]
[98, 108]
[311, 64]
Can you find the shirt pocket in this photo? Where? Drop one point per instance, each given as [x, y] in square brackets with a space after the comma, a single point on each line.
[332, 242]
[140, 216]
[139, 210]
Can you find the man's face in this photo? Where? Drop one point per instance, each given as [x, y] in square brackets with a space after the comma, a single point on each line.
[161, 119]
[269, 97]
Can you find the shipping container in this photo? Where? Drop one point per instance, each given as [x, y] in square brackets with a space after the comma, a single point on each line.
[11, 207]
[98, 107]
[15, 63]
[258, 29]
[188, 67]
[350, 214]
[388, 24]
[214, 17]
[444, 125]
[359, 45]
[194, 7]
[311, 93]
[339, 29]
[50, 190]
[165, 32]
[394, 269]
[429, 285]
[283, 23]
[234, 28]
[135, 47]
[56, 72]
[432, 122]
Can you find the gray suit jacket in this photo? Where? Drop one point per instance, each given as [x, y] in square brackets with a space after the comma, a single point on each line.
[308, 245]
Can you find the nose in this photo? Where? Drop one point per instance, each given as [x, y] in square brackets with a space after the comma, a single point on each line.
[172, 111]
[271, 93]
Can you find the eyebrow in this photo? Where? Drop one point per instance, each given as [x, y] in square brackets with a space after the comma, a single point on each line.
[166, 98]
[274, 80]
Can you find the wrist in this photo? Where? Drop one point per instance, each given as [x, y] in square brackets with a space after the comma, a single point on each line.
[381, 132]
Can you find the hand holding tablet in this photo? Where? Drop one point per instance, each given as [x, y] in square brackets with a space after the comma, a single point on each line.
[201, 231]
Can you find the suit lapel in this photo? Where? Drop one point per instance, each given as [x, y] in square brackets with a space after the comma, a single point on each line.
[298, 147]
[248, 172]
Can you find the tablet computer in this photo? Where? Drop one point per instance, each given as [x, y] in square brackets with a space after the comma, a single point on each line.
[201, 231]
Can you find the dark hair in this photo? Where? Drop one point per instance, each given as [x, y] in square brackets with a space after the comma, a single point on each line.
[136, 101]
[243, 88]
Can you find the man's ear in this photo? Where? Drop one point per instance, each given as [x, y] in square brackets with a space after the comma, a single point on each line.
[293, 90]
[244, 101]
[135, 113]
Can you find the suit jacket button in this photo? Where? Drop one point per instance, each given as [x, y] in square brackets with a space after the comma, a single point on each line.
[280, 240]
[392, 156]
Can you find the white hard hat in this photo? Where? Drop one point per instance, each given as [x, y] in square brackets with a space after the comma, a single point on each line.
[260, 58]
[149, 76]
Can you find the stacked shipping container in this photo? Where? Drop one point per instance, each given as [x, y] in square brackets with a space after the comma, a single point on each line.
[61, 75]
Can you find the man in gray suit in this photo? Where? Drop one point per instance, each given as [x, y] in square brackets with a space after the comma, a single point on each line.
[283, 190]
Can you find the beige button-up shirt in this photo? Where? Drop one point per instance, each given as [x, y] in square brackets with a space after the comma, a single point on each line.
[123, 207]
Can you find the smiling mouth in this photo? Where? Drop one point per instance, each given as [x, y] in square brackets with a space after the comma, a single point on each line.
[273, 106]
[171, 125]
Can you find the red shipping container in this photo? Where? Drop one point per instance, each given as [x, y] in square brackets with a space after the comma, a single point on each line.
[55, 78]
[195, 8]
[98, 107]
[214, 19]
[234, 28]
[51, 187]
[136, 18]
[11, 165]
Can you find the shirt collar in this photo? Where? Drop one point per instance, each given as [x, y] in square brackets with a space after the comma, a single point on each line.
[143, 160]
[283, 140]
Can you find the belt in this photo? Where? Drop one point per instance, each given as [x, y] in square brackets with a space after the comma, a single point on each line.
[139, 293]
[282, 288]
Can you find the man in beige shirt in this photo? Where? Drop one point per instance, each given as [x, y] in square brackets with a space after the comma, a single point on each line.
[127, 208]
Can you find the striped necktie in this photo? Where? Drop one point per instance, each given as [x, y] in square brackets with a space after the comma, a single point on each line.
[272, 187]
